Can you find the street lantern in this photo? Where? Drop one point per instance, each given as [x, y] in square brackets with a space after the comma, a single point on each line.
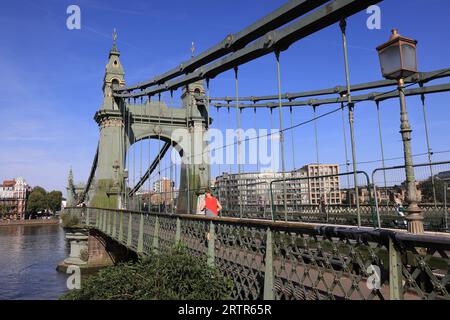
[398, 60]
[398, 57]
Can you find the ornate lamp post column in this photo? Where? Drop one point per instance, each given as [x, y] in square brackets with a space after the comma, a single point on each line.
[398, 61]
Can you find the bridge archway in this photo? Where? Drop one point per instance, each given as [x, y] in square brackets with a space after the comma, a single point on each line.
[159, 166]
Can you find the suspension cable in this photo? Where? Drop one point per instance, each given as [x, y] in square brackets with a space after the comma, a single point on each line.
[229, 127]
[220, 160]
[130, 153]
[172, 183]
[149, 194]
[292, 139]
[316, 139]
[347, 163]
[430, 153]
[257, 138]
[188, 158]
[238, 128]
[280, 115]
[159, 152]
[381, 144]
[343, 25]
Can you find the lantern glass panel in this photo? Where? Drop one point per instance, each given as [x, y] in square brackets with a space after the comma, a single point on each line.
[409, 57]
[390, 60]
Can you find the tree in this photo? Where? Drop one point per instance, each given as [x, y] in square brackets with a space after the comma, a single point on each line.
[37, 201]
[427, 190]
[4, 210]
[54, 199]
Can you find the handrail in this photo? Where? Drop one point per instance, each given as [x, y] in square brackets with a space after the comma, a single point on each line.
[329, 230]
[341, 249]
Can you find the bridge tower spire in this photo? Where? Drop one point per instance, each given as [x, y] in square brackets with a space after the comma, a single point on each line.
[114, 75]
[110, 166]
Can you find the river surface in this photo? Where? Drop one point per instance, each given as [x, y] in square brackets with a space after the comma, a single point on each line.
[28, 259]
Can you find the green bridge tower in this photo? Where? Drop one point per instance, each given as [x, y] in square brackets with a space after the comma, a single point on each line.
[121, 124]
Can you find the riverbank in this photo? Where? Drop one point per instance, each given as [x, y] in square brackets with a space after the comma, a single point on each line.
[32, 222]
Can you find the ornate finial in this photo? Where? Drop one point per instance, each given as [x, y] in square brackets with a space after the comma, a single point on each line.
[70, 178]
[114, 39]
[192, 49]
[394, 34]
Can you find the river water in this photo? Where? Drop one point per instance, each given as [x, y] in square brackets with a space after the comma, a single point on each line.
[28, 259]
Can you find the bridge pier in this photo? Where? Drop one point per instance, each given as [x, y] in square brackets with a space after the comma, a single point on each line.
[78, 248]
[92, 250]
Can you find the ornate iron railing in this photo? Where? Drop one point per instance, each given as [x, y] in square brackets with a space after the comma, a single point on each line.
[292, 260]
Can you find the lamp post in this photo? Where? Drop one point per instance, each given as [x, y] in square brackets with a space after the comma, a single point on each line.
[398, 61]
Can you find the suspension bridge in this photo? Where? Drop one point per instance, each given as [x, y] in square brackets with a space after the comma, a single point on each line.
[312, 232]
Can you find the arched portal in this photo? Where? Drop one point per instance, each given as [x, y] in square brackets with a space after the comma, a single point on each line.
[155, 176]
[182, 128]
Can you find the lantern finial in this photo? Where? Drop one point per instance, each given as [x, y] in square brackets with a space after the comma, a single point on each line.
[394, 34]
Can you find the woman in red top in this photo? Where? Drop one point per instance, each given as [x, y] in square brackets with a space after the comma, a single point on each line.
[211, 205]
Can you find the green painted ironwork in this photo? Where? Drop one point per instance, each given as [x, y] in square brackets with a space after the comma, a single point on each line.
[120, 237]
[178, 231]
[395, 272]
[130, 232]
[268, 274]
[358, 211]
[88, 217]
[293, 260]
[104, 221]
[155, 244]
[114, 225]
[140, 246]
[211, 243]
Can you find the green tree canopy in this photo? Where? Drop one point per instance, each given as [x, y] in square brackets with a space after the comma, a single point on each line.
[37, 201]
[4, 209]
[54, 199]
[38, 189]
[427, 190]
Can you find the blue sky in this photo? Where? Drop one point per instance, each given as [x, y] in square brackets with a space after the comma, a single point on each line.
[52, 76]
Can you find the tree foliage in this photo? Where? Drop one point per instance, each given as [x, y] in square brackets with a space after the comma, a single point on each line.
[166, 276]
[440, 187]
[54, 199]
[5, 209]
[41, 200]
[37, 201]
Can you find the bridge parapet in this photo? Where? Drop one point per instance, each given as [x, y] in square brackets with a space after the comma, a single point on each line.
[292, 260]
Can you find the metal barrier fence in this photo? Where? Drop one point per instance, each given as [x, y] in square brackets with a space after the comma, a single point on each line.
[255, 197]
[323, 198]
[327, 199]
[292, 260]
[432, 194]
